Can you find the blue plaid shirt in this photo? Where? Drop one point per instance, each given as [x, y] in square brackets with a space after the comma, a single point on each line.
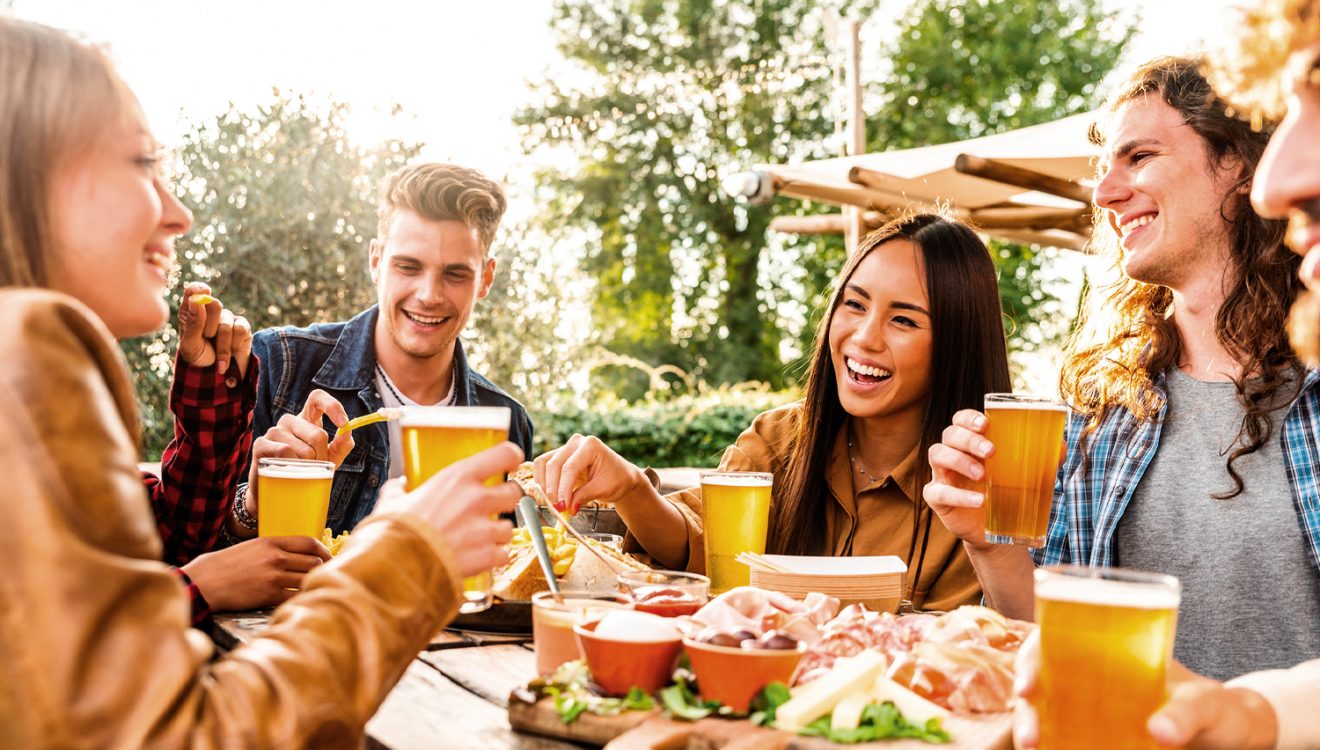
[1088, 504]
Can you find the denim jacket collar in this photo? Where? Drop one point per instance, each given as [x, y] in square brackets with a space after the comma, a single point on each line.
[351, 365]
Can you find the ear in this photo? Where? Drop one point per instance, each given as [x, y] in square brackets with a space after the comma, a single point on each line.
[487, 278]
[374, 256]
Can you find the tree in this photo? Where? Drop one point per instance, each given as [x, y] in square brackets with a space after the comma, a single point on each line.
[283, 207]
[665, 96]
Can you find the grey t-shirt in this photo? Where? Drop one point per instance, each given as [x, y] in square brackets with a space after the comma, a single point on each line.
[1251, 598]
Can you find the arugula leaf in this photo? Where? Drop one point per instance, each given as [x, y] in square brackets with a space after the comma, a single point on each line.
[567, 705]
[680, 702]
[878, 722]
[638, 700]
[767, 702]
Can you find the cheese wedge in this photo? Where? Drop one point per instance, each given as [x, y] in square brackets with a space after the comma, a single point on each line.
[914, 708]
[855, 675]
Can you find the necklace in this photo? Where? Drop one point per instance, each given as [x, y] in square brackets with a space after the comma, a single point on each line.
[857, 465]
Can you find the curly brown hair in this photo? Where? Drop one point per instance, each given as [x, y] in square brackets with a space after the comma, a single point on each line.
[1112, 365]
[443, 192]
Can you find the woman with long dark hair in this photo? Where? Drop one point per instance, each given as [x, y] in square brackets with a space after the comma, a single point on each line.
[914, 333]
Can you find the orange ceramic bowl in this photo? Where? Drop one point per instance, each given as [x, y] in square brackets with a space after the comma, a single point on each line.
[617, 666]
[733, 676]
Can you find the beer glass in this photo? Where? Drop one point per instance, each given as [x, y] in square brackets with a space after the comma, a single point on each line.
[553, 618]
[293, 496]
[1019, 485]
[735, 512]
[435, 437]
[1106, 638]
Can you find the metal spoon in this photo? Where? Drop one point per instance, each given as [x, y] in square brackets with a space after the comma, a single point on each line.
[532, 520]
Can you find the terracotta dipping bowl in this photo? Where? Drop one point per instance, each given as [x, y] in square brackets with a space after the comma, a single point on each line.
[733, 676]
[618, 665]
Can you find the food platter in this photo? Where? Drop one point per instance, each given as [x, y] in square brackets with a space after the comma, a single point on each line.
[503, 618]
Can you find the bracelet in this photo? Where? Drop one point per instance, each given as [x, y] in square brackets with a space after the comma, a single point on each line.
[241, 515]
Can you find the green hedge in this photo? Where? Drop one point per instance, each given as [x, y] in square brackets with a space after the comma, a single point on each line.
[690, 430]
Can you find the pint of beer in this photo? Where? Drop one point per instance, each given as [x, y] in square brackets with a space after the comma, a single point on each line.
[1027, 433]
[435, 437]
[735, 513]
[1106, 638]
[293, 496]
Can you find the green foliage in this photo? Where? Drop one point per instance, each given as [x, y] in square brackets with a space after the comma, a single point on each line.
[663, 99]
[284, 206]
[691, 429]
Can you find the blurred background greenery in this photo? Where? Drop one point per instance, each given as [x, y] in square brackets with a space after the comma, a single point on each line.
[639, 302]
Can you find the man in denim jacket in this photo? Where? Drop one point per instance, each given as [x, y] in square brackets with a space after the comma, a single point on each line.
[430, 263]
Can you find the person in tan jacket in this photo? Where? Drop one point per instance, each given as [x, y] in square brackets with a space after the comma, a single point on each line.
[97, 650]
[913, 334]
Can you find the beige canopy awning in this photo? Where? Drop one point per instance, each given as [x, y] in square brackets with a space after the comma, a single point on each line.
[1029, 185]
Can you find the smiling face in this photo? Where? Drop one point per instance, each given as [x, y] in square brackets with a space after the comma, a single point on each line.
[1162, 195]
[880, 335]
[114, 226]
[429, 275]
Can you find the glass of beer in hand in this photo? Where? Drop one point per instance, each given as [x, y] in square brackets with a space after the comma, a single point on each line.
[735, 513]
[435, 437]
[1106, 639]
[1019, 486]
[293, 496]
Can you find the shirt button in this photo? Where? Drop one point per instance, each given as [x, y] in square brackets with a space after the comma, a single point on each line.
[373, 480]
[231, 381]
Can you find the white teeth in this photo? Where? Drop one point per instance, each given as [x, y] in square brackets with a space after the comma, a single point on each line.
[160, 260]
[861, 369]
[1136, 223]
[423, 321]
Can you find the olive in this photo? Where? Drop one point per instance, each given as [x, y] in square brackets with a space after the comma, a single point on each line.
[776, 640]
[718, 638]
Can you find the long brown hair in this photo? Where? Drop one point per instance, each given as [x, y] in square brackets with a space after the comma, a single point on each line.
[1141, 340]
[969, 358]
[56, 94]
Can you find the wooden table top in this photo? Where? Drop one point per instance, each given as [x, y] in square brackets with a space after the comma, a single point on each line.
[453, 695]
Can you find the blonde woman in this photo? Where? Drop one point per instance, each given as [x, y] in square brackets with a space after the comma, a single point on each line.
[93, 628]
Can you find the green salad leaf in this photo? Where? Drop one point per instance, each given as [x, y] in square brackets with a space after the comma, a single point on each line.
[681, 702]
[768, 701]
[572, 696]
[878, 722]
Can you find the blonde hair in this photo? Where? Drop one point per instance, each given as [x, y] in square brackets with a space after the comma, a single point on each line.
[56, 95]
[443, 192]
[1272, 30]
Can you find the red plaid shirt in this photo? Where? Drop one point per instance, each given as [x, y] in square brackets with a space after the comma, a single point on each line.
[203, 464]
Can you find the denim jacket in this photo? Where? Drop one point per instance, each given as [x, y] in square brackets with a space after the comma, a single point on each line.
[340, 358]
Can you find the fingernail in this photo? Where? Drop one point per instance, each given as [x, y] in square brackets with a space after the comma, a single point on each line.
[221, 366]
[977, 471]
[983, 447]
[979, 422]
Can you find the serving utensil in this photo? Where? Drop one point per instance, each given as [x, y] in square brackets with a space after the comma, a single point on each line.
[532, 520]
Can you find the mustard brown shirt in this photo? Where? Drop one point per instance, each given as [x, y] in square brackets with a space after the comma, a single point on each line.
[873, 519]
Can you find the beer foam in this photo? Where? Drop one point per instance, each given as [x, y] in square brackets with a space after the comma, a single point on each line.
[1026, 405]
[319, 470]
[737, 480]
[1107, 593]
[462, 417]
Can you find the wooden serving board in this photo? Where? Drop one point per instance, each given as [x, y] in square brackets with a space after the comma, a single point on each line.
[649, 730]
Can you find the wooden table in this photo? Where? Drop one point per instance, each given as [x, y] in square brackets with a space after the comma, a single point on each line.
[453, 695]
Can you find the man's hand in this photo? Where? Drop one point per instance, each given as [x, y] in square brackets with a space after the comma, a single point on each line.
[301, 436]
[209, 334]
[255, 573]
[458, 504]
[584, 469]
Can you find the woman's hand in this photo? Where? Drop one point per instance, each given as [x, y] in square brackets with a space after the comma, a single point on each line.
[956, 489]
[585, 469]
[209, 334]
[255, 573]
[459, 505]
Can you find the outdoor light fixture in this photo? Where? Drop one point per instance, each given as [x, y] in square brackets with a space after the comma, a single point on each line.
[757, 187]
